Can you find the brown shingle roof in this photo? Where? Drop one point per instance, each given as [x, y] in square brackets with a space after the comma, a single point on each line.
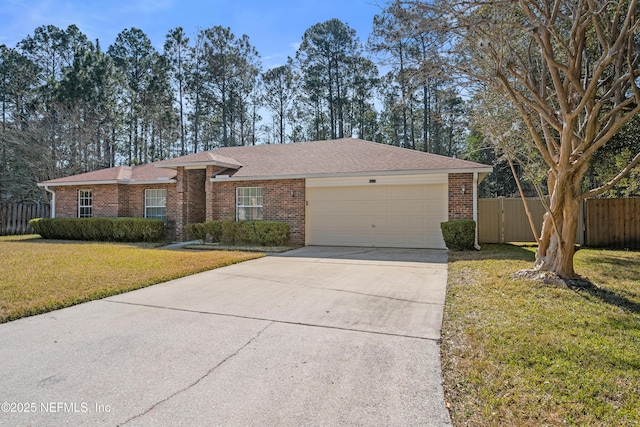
[339, 156]
[303, 159]
[120, 174]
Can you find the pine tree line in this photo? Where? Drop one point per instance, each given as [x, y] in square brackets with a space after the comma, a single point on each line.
[69, 106]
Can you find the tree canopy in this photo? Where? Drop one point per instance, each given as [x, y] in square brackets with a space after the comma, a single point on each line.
[570, 68]
[70, 106]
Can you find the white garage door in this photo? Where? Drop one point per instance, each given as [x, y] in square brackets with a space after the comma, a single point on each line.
[404, 216]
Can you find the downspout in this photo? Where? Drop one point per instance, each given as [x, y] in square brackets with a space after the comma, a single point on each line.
[475, 208]
[53, 200]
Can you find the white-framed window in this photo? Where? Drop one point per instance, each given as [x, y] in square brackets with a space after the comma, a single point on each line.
[85, 204]
[155, 204]
[248, 203]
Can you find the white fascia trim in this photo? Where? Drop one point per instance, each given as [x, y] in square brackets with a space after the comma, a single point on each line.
[65, 184]
[119, 181]
[486, 170]
[352, 174]
[373, 180]
[157, 181]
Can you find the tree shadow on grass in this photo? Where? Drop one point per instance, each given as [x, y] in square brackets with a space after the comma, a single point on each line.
[625, 268]
[585, 286]
[622, 268]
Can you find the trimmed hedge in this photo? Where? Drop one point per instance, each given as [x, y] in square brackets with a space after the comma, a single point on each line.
[100, 229]
[205, 230]
[459, 234]
[263, 233]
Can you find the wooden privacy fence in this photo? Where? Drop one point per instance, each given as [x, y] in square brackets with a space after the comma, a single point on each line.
[504, 220]
[613, 223]
[14, 218]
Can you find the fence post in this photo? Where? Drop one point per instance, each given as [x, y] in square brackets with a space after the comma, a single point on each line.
[502, 218]
[3, 219]
[583, 211]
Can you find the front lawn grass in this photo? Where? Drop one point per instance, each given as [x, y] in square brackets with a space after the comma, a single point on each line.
[526, 353]
[39, 275]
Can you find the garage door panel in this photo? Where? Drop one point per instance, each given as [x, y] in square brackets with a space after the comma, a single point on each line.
[385, 208]
[384, 193]
[391, 215]
[433, 210]
[416, 207]
[397, 193]
[364, 206]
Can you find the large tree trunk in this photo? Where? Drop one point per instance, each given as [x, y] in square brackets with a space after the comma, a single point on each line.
[559, 227]
[556, 250]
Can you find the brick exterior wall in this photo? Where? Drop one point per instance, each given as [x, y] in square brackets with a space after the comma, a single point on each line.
[460, 205]
[190, 201]
[106, 200]
[283, 200]
[194, 198]
[116, 200]
[208, 189]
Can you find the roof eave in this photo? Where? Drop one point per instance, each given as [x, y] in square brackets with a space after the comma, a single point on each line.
[150, 181]
[110, 181]
[70, 183]
[487, 169]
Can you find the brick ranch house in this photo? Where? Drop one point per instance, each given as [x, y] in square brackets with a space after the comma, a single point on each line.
[344, 192]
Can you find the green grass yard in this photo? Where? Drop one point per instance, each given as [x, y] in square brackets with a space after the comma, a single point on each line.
[526, 353]
[39, 275]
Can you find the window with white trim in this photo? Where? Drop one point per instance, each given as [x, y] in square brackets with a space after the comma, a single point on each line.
[248, 203]
[85, 204]
[155, 204]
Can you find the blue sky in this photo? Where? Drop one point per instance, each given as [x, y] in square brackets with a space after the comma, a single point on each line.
[275, 27]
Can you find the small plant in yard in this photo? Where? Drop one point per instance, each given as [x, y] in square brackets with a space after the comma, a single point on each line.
[43, 275]
[459, 234]
[527, 352]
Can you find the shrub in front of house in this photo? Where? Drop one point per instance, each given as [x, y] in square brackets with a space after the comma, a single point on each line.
[197, 231]
[138, 229]
[214, 230]
[230, 232]
[205, 231]
[459, 234]
[264, 233]
[100, 229]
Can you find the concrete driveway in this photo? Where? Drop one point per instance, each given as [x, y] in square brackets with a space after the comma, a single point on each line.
[316, 336]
